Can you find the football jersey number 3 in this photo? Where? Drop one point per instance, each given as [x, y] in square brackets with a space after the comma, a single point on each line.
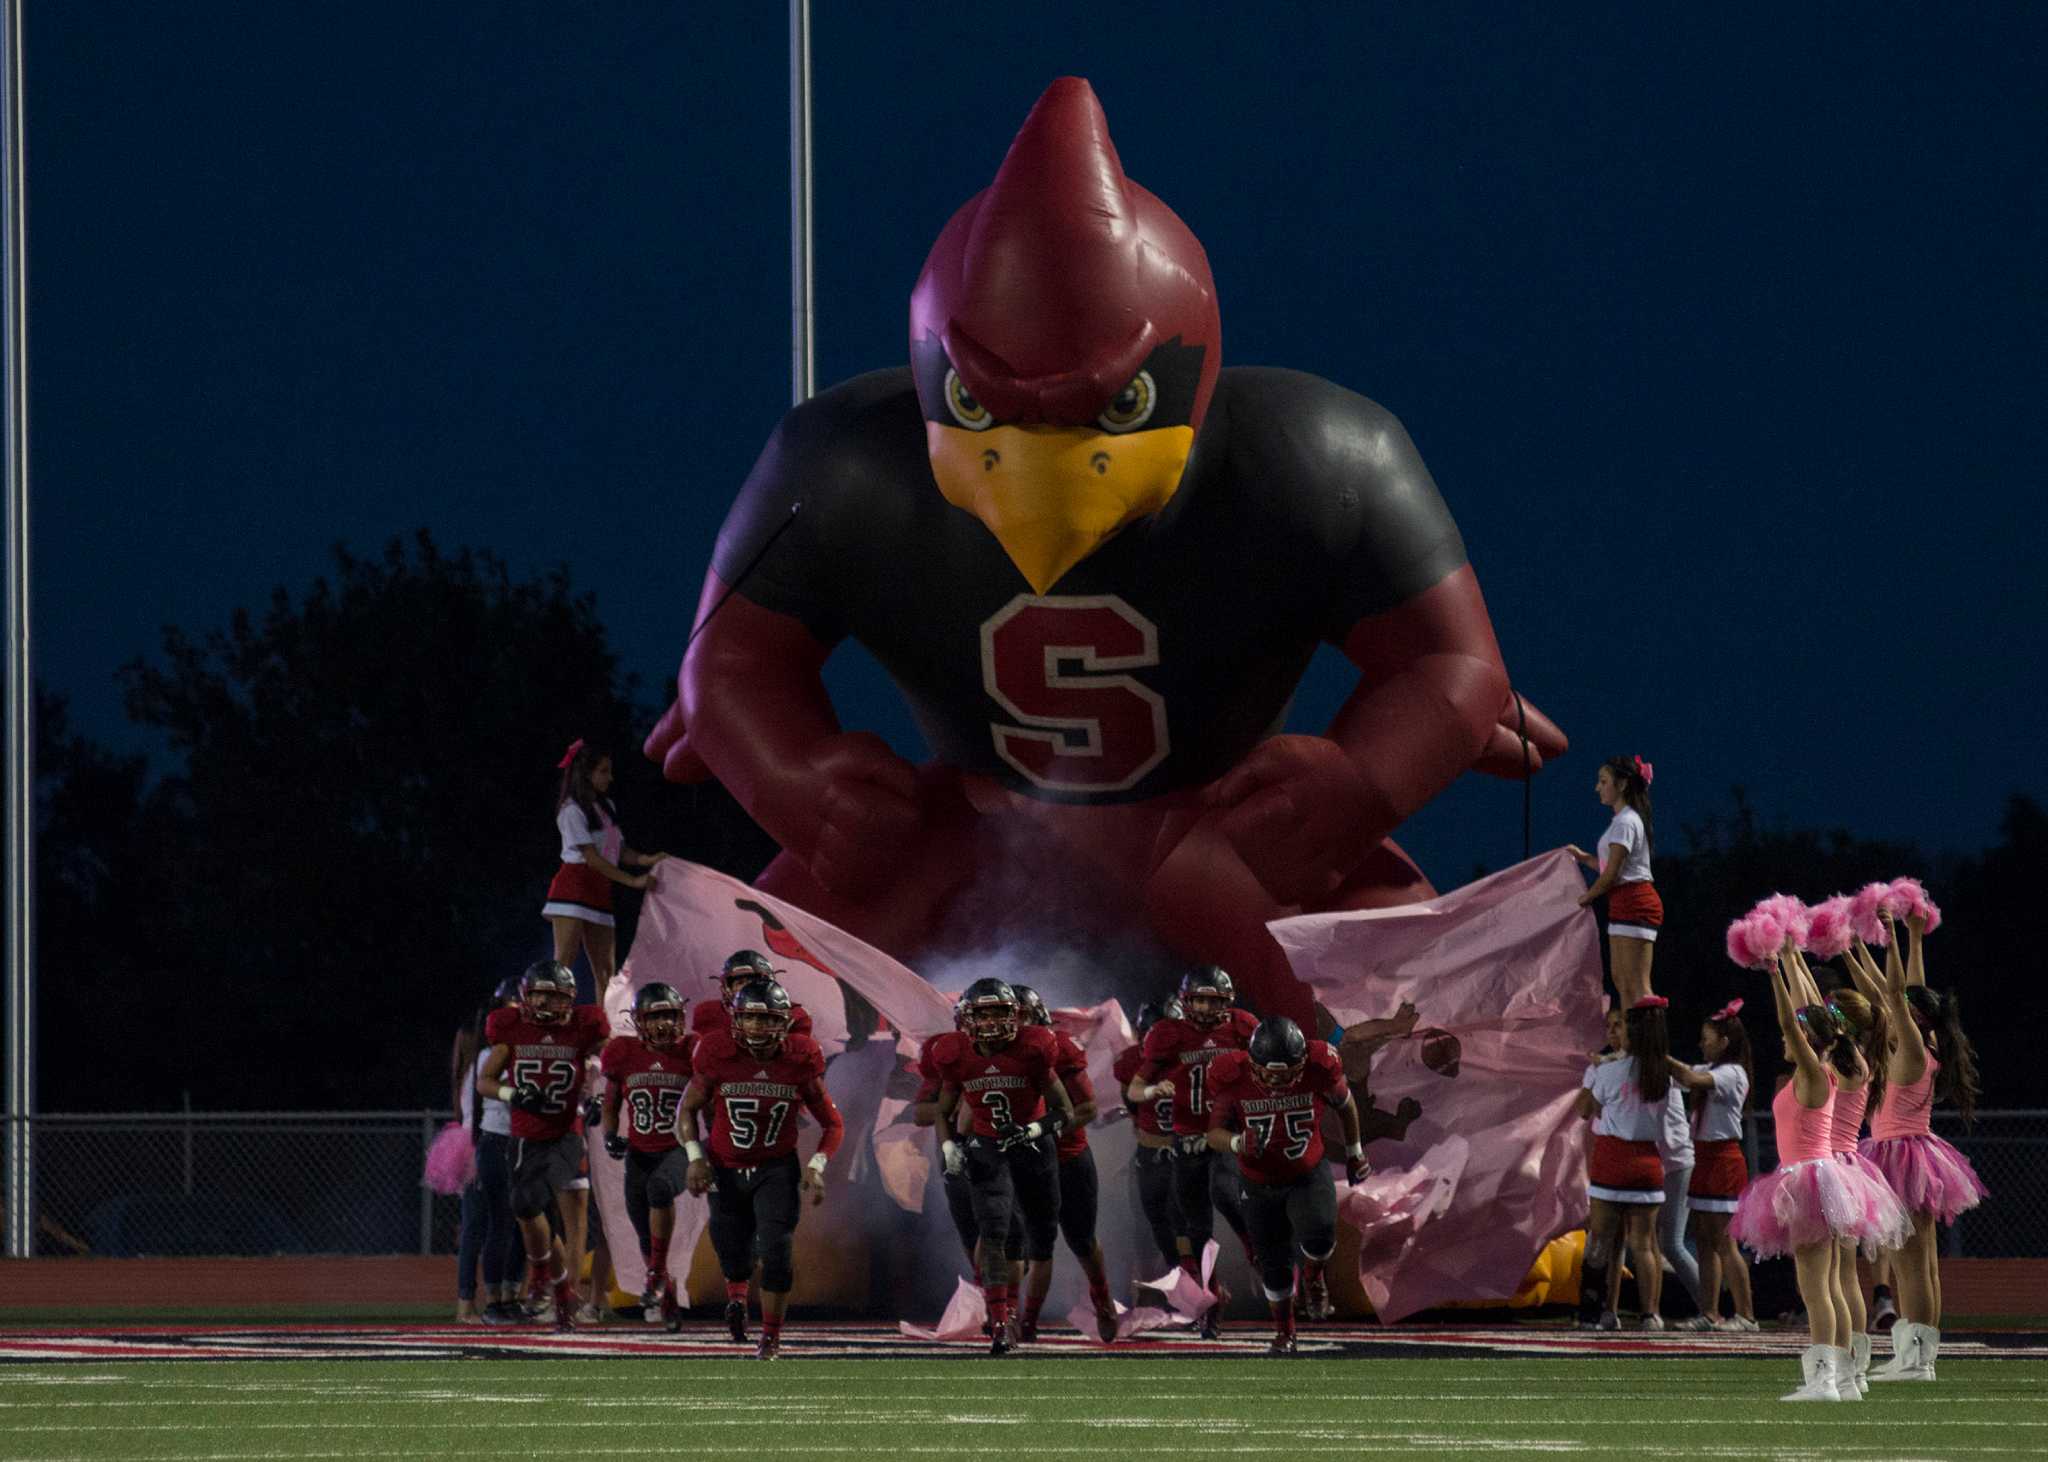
[1055, 665]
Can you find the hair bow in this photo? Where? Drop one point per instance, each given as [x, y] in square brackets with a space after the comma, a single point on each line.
[1729, 1011]
[569, 755]
[1644, 770]
[1650, 1002]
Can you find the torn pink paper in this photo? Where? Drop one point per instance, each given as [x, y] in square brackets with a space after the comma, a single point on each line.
[965, 1314]
[1129, 1322]
[693, 917]
[1505, 978]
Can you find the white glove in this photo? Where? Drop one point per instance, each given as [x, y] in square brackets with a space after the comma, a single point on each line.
[954, 1159]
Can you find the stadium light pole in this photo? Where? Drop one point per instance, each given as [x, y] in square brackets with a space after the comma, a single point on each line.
[20, 685]
[803, 366]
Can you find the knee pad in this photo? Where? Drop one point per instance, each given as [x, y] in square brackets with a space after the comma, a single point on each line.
[778, 1269]
[530, 1198]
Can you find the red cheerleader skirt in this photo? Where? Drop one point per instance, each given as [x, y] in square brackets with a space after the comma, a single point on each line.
[1634, 909]
[1719, 1174]
[581, 892]
[1625, 1172]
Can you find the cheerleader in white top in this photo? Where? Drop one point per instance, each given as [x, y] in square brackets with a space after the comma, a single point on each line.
[1630, 1099]
[1621, 867]
[1719, 1088]
[594, 857]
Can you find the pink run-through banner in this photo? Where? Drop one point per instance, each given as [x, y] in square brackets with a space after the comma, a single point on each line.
[1504, 975]
[691, 919]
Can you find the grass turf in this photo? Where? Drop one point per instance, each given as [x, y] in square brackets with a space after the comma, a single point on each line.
[1172, 1407]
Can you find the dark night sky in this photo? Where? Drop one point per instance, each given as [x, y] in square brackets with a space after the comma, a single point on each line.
[1722, 334]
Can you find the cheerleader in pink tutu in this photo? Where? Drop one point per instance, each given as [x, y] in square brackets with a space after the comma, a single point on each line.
[1930, 1060]
[1812, 1201]
[1866, 1027]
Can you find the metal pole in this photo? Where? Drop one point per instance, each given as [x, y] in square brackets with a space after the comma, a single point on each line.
[427, 1194]
[20, 684]
[803, 335]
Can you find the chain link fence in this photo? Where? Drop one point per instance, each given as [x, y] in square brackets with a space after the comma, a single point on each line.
[2009, 1150]
[128, 1184]
[247, 1183]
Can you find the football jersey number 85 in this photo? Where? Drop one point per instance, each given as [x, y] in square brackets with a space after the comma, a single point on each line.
[654, 1111]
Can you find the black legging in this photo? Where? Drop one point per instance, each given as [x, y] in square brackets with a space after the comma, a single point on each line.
[1152, 1171]
[494, 1245]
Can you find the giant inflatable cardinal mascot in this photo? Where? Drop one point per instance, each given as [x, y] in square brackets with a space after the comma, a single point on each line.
[1096, 563]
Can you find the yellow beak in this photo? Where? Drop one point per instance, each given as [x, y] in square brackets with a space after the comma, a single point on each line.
[1052, 494]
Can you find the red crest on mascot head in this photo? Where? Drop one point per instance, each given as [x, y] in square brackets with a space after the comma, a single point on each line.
[1051, 286]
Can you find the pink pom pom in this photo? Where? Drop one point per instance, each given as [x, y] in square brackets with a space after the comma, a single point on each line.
[1908, 897]
[1866, 907]
[1828, 931]
[1790, 915]
[1754, 938]
[451, 1161]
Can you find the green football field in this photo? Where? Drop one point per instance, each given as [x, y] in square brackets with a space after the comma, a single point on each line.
[1181, 1407]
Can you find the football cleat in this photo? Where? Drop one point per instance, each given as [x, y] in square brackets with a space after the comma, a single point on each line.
[1211, 1327]
[1283, 1344]
[671, 1308]
[999, 1341]
[769, 1348]
[1105, 1319]
[1027, 1332]
[565, 1306]
[1316, 1303]
[736, 1320]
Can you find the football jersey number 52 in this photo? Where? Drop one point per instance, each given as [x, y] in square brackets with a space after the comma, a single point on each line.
[554, 1078]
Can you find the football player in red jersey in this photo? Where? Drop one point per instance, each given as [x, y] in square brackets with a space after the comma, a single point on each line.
[741, 968]
[539, 1051]
[1152, 1163]
[646, 1075]
[1176, 1064]
[1266, 1107]
[959, 1194]
[754, 1079]
[1079, 1189]
[1004, 1071]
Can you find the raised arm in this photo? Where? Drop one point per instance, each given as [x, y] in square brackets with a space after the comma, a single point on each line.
[1916, 956]
[1805, 988]
[1811, 1078]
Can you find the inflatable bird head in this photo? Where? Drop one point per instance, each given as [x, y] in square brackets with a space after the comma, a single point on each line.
[1065, 342]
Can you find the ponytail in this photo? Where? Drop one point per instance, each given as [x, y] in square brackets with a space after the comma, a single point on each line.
[1649, 1043]
[1736, 1053]
[1938, 1017]
[1864, 1023]
[1829, 1035]
[1632, 775]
